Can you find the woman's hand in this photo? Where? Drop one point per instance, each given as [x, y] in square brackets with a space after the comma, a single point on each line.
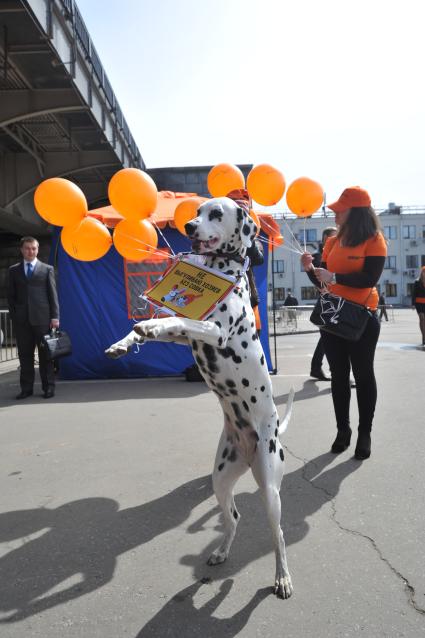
[323, 275]
[307, 261]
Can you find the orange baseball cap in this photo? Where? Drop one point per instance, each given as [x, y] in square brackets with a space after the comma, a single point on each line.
[351, 197]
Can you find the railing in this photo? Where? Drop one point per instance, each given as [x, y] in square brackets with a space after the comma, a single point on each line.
[8, 349]
[84, 39]
[291, 319]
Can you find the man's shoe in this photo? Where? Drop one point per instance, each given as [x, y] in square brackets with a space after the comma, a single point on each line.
[341, 442]
[362, 451]
[319, 374]
[48, 394]
[24, 394]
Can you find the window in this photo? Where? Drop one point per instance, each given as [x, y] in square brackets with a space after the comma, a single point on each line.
[391, 290]
[279, 294]
[412, 261]
[390, 262]
[390, 232]
[309, 292]
[409, 232]
[423, 232]
[310, 235]
[279, 265]
[409, 290]
[422, 260]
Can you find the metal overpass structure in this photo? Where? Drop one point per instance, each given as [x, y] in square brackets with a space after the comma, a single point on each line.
[59, 115]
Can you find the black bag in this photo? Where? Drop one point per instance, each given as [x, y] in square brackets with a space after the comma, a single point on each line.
[56, 344]
[340, 317]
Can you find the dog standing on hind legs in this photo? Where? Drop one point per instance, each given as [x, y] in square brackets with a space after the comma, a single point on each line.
[229, 355]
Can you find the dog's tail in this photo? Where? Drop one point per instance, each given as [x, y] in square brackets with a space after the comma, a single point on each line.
[288, 412]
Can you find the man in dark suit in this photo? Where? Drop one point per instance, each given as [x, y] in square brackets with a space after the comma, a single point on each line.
[34, 309]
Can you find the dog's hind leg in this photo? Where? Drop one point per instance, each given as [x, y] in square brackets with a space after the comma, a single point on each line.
[228, 467]
[268, 468]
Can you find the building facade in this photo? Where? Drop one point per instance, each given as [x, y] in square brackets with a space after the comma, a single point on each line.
[404, 229]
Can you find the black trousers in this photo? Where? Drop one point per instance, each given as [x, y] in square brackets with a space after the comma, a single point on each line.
[27, 338]
[319, 353]
[359, 355]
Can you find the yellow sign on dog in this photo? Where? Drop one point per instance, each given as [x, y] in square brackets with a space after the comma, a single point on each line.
[189, 290]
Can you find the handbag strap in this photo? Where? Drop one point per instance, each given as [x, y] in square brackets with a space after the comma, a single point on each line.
[326, 290]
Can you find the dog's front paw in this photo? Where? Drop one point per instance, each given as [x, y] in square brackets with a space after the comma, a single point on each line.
[283, 587]
[148, 329]
[116, 351]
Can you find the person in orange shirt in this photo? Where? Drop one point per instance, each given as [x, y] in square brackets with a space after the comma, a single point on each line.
[352, 263]
[418, 301]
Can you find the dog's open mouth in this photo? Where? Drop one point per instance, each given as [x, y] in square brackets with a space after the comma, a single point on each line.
[205, 245]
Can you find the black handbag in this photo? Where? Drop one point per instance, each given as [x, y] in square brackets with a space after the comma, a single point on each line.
[340, 317]
[56, 344]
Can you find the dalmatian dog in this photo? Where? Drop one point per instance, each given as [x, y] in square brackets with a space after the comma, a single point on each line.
[229, 354]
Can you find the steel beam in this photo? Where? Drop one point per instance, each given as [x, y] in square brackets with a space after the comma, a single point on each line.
[18, 105]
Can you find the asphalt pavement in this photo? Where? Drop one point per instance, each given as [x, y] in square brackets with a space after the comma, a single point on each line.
[107, 514]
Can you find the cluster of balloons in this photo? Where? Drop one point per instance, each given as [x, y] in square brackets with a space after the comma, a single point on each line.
[266, 185]
[131, 192]
[62, 203]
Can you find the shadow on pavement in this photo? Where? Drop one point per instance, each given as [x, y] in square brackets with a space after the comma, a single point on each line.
[82, 540]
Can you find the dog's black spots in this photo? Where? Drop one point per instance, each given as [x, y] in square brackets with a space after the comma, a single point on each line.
[217, 323]
[229, 352]
[235, 515]
[233, 456]
[252, 324]
[245, 405]
[211, 356]
[254, 336]
[230, 383]
[223, 307]
[221, 387]
[220, 341]
[225, 453]
[239, 214]
[262, 359]
[278, 423]
[262, 389]
[272, 446]
[216, 213]
[244, 344]
[281, 454]
[233, 392]
[240, 330]
[220, 467]
[230, 320]
[241, 422]
[236, 290]
[236, 231]
[230, 272]
[253, 399]
[230, 248]
[221, 265]
[276, 432]
[245, 382]
[200, 362]
[183, 333]
[255, 435]
[245, 229]
[195, 345]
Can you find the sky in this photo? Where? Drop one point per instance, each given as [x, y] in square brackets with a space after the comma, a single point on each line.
[329, 89]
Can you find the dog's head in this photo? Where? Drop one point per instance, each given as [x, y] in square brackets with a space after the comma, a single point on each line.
[221, 227]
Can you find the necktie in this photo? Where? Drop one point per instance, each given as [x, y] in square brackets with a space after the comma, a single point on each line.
[29, 270]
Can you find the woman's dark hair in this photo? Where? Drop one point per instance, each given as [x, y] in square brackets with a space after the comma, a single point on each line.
[361, 224]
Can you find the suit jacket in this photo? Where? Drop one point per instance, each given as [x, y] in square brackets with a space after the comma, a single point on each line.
[33, 300]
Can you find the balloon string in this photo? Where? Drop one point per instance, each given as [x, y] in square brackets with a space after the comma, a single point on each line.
[154, 250]
[287, 245]
[163, 236]
[305, 245]
[297, 243]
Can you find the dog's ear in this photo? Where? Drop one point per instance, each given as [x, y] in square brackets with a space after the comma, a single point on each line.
[248, 229]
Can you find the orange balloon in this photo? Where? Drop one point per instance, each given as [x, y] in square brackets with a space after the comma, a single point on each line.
[185, 211]
[304, 196]
[135, 240]
[60, 201]
[265, 184]
[133, 193]
[88, 240]
[256, 219]
[224, 178]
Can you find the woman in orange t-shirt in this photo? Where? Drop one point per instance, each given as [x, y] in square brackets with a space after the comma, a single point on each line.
[352, 263]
